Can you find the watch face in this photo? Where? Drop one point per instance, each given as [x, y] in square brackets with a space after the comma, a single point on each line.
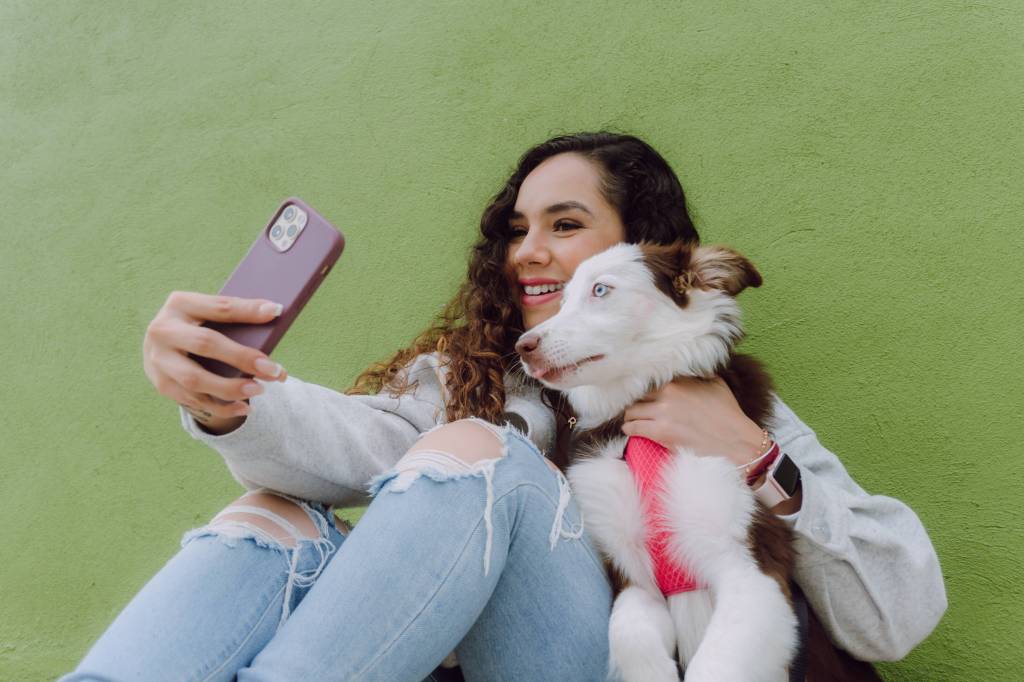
[786, 474]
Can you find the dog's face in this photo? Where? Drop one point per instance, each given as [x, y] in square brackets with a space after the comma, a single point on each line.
[639, 314]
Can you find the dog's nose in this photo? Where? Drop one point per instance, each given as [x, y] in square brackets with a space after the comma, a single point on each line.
[527, 344]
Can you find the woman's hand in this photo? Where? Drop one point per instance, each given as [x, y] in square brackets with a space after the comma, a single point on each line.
[701, 414]
[176, 331]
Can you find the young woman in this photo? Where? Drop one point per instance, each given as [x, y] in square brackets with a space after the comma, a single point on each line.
[472, 544]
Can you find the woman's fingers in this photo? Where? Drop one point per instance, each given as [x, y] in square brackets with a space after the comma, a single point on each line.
[198, 382]
[177, 330]
[209, 343]
[220, 308]
[645, 428]
[197, 308]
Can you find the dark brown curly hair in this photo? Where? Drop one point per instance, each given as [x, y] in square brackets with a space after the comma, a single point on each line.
[478, 328]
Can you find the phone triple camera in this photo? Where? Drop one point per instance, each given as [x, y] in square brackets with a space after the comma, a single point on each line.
[287, 228]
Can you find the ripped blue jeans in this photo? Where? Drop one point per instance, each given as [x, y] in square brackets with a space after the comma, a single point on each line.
[487, 560]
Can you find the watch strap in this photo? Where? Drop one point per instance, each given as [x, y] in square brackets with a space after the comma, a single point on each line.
[770, 492]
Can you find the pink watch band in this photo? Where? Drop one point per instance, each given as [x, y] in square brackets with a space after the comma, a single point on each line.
[770, 492]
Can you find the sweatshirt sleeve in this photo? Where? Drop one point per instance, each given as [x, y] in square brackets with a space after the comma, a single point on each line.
[316, 443]
[865, 562]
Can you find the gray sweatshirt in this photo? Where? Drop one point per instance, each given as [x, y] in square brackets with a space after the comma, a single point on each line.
[865, 562]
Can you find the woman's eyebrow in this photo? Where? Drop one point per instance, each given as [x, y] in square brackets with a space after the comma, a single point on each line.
[557, 208]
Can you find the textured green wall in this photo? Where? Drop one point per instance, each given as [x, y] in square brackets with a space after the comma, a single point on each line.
[868, 159]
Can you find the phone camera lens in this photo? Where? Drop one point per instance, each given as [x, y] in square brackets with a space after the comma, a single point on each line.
[291, 230]
[276, 232]
[289, 213]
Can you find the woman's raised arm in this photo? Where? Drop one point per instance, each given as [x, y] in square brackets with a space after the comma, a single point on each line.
[865, 562]
[313, 442]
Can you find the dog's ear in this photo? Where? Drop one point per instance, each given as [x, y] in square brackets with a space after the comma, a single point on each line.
[666, 261]
[718, 267]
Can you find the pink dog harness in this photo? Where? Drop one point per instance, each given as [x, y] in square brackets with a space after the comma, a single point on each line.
[647, 460]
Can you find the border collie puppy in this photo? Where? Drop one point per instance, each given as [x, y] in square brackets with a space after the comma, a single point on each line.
[631, 319]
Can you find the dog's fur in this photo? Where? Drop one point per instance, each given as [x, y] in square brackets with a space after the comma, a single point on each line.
[670, 311]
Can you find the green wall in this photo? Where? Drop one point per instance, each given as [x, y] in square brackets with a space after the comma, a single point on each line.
[867, 159]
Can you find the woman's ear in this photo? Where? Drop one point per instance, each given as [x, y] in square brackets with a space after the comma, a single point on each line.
[718, 267]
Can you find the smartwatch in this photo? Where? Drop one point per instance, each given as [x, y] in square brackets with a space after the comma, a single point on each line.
[780, 483]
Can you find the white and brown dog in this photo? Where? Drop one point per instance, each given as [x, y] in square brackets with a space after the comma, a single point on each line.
[631, 319]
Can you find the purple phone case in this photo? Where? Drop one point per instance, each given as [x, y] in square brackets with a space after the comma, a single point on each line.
[288, 278]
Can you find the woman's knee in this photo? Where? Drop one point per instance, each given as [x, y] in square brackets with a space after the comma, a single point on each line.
[277, 516]
[467, 447]
[469, 440]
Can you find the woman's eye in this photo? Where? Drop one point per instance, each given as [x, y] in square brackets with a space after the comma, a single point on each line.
[560, 226]
[601, 289]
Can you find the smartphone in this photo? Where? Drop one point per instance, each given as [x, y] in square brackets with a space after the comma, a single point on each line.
[286, 264]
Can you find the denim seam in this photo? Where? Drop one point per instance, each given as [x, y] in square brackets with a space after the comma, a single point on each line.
[442, 583]
[462, 552]
[269, 607]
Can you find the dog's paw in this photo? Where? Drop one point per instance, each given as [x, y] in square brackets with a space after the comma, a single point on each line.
[645, 668]
[705, 668]
[640, 638]
[700, 669]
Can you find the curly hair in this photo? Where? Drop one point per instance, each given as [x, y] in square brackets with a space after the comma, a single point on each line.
[477, 330]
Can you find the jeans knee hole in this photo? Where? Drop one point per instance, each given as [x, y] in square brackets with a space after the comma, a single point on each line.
[467, 440]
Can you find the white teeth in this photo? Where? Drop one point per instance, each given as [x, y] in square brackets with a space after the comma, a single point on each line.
[542, 289]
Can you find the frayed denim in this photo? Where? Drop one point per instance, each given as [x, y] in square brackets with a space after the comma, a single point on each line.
[490, 560]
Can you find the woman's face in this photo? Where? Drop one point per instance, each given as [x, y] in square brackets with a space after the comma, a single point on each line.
[559, 220]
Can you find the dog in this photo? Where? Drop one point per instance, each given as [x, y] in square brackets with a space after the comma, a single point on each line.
[631, 319]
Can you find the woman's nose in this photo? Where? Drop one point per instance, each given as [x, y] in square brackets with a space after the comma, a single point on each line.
[532, 249]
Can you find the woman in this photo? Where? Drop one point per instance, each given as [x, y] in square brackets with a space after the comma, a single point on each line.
[472, 543]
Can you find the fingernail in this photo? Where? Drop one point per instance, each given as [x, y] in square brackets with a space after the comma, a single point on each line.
[268, 308]
[268, 367]
[252, 389]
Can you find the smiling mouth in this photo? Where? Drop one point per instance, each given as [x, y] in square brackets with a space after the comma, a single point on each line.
[556, 373]
[528, 300]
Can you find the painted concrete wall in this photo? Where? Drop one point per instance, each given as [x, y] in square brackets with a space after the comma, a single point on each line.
[867, 158]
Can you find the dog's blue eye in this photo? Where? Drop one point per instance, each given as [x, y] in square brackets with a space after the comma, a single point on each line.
[601, 289]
